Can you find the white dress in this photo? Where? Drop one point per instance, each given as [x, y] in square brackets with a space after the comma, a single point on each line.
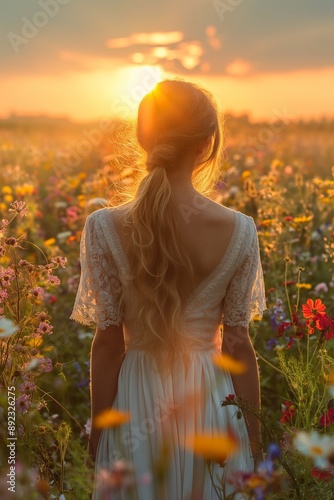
[232, 294]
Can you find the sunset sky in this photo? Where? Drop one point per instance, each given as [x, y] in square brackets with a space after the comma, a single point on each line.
[93, 59]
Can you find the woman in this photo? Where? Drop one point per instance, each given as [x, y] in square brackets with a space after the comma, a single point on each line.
[159, 276]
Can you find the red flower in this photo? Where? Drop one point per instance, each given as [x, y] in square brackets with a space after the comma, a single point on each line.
[289, 411]
[327, 418]
[325, 324]
[322, 474]
[287, 283]
[312, 308]
[281, 329]
[230, 397]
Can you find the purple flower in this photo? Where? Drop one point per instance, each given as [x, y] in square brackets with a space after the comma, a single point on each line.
[271, 344]
[274, 451]
[45, 365]
[23, 403]
[27, 386]
[44, 328]
[266, 467]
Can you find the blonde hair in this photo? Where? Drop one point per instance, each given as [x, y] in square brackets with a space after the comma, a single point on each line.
[173, 118]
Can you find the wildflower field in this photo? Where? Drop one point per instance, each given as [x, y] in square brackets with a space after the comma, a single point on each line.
[52, 175]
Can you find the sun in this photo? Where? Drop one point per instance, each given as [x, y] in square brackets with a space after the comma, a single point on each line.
[136, 81]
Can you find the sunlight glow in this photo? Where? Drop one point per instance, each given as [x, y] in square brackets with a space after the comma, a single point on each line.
[135, 82]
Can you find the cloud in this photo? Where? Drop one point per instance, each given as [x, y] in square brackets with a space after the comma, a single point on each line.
[155, 38]
[187, 37]
[168, 49]
[238, 67]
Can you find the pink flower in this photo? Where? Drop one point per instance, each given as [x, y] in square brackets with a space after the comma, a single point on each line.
[44, 328]
[3, 295]
[60, 261]
[6, 276]
[37, 292]
[53, 280]
[321, 287]
[20, 207]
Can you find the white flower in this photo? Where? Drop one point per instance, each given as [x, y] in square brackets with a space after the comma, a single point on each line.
[317, 446]
[7, 328]
[63, 236]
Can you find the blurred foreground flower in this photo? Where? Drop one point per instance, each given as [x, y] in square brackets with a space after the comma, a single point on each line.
[216, 447]
[319, 447]
[229, 364]
[7, 328]
[121, 476]
[111, 418]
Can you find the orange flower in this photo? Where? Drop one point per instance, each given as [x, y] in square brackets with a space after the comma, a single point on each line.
[311, 308]
[229, 364]
[213, 447]
[110, 418]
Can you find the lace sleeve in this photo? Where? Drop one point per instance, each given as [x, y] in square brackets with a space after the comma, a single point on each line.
[245, 294]
[98, 297]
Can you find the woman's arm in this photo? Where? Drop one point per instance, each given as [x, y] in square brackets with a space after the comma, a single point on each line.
[107, 354]
[237, 343]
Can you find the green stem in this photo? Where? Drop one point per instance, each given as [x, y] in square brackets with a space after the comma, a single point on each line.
[286, 286]
[62, 407]
[270, 364]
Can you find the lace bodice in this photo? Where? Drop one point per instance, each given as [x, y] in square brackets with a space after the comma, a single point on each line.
[232, 294]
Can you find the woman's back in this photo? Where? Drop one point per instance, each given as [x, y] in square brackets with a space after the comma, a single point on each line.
[206, 229]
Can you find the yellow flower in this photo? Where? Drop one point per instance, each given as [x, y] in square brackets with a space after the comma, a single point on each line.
[255, 482]
[229, 364]
[307, 286]
[213, 447]
[326, 200]
[330, 378]
[276, 163]
[111, 418]
[8, 198]
[50, 242]
[257, 318]
[3, 207]
[303, 219]
[6, 190]
[267, 222]
[34, 342]
[245, 174]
